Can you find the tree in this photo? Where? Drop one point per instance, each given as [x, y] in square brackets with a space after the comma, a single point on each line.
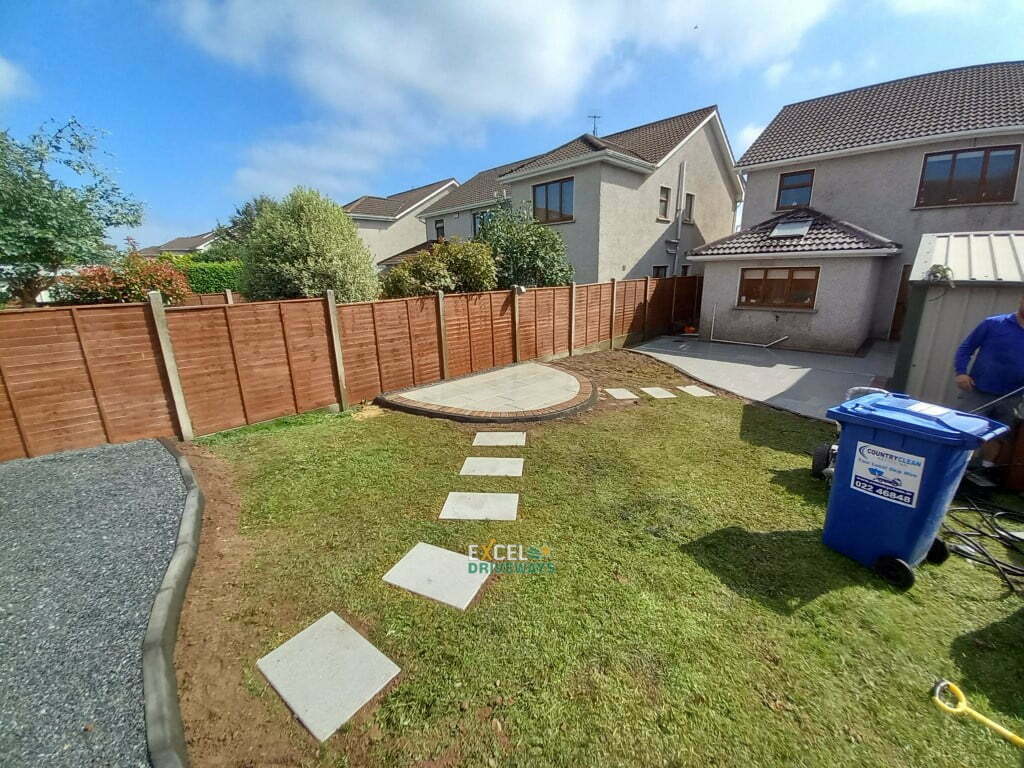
[450, 266]
[46, 224]
[527, 252]
[231, 237]
[303, 246]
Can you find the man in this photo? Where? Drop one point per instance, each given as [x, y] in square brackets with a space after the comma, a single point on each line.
[998, 370]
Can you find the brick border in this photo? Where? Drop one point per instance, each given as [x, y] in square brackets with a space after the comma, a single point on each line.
[583, 400]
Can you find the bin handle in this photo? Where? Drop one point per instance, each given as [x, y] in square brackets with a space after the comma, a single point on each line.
[941, 419]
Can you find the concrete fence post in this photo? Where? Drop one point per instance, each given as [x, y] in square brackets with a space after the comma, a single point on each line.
[572, 318]
[229, 296]
[611, 321]
[442, 335]
[163, 337]
[331, 306]
[515, 322]
[647, 304]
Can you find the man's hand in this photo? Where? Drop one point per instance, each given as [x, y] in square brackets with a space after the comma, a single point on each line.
[964, 382]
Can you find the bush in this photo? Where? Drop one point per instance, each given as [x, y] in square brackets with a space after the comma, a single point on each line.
[452, 266]
[526, 251]
[214, 276]
[129, 280]
[303, 246]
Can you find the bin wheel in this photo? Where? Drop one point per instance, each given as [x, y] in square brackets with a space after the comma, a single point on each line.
[938, 553]
[820, 458]
[895, 571]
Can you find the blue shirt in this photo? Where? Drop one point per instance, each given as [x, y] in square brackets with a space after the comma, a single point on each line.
[999, 366]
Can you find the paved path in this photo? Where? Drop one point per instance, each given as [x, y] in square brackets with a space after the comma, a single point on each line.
[807, 383]
[85, 537]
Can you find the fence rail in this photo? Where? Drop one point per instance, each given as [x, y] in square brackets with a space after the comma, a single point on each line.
[72, 377]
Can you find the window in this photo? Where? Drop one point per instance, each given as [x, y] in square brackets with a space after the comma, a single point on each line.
[661, 271]
[478, 221]
[439, 229]
[553, 201]
[795, 189]
[688, 208]
[792, 287]
[986, 175]
[664, 197]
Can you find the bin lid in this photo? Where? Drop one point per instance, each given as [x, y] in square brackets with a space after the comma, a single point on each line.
[907, 416]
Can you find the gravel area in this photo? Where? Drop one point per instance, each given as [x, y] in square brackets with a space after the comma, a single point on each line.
[85, 537]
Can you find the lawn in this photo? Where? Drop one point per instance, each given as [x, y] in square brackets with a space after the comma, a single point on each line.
[694, 617]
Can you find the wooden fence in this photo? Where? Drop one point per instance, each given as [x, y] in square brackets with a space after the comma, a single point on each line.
[72, 377]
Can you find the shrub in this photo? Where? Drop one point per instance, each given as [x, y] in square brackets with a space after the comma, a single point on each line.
[303, 246]
[129, 280]
[214, 276]
[450, 266]
[526, 251]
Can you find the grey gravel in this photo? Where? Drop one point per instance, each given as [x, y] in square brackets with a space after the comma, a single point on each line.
[85, 538]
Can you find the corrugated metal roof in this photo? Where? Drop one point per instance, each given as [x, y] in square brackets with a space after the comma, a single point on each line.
[972, 257]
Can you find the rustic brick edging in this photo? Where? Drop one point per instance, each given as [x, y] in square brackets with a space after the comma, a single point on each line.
[583, 400]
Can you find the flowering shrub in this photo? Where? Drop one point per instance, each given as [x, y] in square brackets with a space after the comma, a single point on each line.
[130, 280]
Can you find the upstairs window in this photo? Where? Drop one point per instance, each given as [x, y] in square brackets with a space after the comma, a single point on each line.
[794, 189]
[553, 201]
[688, 208]
[986, 175]
[664, 198]
[785, 287]
[439, 229]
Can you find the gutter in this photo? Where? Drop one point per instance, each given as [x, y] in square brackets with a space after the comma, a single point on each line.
[795, 255]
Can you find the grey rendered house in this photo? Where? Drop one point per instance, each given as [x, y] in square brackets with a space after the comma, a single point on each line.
[389, 225]
[840, 190]
[627, 205]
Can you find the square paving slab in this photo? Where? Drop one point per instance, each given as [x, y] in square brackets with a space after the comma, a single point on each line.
[621, 394]
[327, 673]
[658, 393]
[500, 438]
[437, 573]
[492, 466]
[693, 389]
[480, 506]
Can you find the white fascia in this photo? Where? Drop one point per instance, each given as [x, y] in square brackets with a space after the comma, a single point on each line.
[789, 255]
[730, 161]
[609, 156]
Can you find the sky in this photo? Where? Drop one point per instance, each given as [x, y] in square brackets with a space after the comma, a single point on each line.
[205, 103]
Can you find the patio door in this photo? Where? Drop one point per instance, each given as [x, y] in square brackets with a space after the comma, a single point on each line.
[899, 314]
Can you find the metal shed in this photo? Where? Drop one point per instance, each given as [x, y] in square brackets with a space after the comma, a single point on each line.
[958, 279]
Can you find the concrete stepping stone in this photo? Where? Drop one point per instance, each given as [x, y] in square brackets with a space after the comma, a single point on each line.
[499, 438]
[693, 389]
[327, 673]
[621, 394]
[480, 506]
[492, 466]
[439, 574]
[658, 393]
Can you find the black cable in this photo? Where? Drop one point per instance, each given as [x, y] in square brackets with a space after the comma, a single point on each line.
[966, 538]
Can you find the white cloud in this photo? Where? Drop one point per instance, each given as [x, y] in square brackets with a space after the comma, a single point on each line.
[774, 74]
[14, 82]
[395, 77]
[748, 133]
[932, 6]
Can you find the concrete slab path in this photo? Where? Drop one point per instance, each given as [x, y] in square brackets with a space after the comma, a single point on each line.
[693, 389]
[327, 673]
[492, 466]
[807, 383]
[620, 393]
[499, 438]
[658, 393]
[480, 506]
[439, 574]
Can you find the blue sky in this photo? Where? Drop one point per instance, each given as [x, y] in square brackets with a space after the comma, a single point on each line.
[208, 103]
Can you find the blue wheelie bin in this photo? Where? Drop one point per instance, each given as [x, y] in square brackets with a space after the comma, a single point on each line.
[897, 468]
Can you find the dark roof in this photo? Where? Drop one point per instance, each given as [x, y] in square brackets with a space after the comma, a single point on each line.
[825, 234]
[398, 258]
[986, 96]
[650, 142]
[481, 189]
[370, 205]
[180, 244]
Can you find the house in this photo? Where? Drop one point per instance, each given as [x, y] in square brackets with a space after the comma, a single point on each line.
[389, 225]
[626, 204]
[190, 244]
[840, 190]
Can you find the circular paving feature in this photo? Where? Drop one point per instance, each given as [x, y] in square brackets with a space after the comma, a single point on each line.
[524, 392]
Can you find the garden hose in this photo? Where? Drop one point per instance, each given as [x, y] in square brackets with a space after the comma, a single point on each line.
[961, 708]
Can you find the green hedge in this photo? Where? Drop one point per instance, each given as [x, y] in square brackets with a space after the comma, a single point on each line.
[214, 276]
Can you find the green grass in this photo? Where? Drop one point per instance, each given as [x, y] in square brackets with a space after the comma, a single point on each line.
[694, 619]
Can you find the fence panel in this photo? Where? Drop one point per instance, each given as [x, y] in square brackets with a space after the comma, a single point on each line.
[501, 311]
[207, 367]
[394, 344]
[426, 353]
[12, 445]
[456, 323]
[527, 326]
[359, 351]
[688, 296]
[659, 307]
[309, 349]
[257, 332]
[481, 337]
